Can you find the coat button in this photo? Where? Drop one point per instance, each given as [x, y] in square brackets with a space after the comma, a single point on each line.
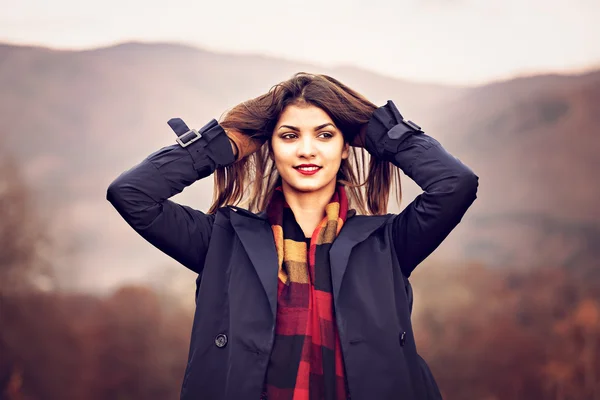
[402, 339]
[221, 340]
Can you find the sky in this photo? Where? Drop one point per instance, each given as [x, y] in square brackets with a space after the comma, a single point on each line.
[445, 41]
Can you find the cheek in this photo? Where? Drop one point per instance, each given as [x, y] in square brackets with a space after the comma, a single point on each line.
[335, 154]
[281, 155]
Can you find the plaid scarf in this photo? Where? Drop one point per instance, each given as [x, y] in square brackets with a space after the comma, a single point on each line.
[306, 360]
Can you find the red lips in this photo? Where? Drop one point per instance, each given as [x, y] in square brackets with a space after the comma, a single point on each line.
[307, 169]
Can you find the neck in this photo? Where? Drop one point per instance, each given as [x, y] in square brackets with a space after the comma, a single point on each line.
[308, 207]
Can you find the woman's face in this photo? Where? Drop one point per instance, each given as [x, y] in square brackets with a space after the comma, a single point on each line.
[307, 149]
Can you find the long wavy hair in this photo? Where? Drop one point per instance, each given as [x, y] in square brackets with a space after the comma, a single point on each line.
[250, 182]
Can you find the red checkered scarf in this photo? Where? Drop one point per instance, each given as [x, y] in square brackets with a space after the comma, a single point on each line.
[306, 360]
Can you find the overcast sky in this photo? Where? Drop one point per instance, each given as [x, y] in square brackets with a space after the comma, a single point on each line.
[451, 41]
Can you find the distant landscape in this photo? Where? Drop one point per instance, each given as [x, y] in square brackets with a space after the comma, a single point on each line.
[72, 121]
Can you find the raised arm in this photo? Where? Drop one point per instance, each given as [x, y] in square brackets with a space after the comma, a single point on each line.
[449, 186]
[141, 194]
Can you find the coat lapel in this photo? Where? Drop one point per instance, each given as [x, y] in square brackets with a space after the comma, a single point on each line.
[354, 231]
[257, 238]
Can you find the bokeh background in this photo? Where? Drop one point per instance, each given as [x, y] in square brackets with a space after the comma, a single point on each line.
[507, 308]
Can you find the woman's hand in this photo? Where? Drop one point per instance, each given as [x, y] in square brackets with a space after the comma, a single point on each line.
[242, 144]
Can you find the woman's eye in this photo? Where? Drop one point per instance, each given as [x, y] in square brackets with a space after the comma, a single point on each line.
[288, 136]
[326, 135]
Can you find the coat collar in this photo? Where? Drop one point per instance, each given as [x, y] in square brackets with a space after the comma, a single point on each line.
[354, 231]
[257, 239]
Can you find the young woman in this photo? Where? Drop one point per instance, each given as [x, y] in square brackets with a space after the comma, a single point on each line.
[300, 296]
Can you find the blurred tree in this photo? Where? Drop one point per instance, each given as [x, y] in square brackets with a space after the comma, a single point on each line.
[56, 345]
[22, 239]
[34, 334]
[510, 333]
[137, 346]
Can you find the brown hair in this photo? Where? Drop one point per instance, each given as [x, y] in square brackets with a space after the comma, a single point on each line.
[253, 179]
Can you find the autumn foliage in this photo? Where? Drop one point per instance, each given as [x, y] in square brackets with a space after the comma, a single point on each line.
[488, 333]
[511, 333]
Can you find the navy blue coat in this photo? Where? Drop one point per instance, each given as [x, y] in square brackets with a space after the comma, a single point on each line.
[233, 252]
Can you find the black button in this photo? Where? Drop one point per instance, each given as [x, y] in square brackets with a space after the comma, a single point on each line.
[402, 339]
[221, 340]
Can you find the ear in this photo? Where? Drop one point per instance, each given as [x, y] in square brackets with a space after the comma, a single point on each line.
[345, 151]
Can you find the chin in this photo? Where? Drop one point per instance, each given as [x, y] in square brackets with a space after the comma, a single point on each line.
[307, 186]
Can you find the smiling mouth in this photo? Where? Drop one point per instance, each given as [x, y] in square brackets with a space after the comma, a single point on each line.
[307, 169]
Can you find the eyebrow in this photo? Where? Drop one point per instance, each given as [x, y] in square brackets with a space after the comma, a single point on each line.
[295, 129]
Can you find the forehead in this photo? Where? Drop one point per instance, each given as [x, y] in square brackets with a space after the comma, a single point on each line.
[304, 116]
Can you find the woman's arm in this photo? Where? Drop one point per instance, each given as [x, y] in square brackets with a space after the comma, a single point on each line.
[449, 186]
[140, 195]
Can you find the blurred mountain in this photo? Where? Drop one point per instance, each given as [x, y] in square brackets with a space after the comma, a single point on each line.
[535, 142]
[76, 119]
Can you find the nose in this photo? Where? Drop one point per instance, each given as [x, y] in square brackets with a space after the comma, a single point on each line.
[306, 147]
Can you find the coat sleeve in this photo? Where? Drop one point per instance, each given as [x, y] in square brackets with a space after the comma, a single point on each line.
[449, 186]
[141, 195]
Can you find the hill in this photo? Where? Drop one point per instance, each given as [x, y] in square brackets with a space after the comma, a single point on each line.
[76, 119]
